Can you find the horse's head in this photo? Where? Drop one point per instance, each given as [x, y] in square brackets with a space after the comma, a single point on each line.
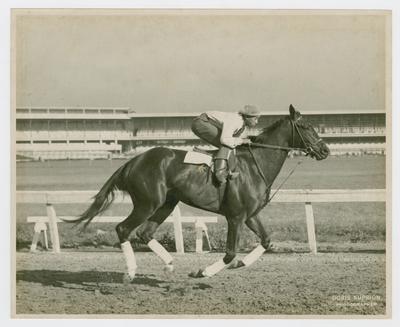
[305, 137]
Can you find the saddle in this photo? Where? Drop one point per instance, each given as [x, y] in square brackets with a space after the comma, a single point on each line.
[232, 162]
[211, 153]
[206, 157]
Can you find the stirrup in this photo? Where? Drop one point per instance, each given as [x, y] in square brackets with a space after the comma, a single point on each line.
[221, 176]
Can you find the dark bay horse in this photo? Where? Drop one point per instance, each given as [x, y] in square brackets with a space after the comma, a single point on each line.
[158, 179]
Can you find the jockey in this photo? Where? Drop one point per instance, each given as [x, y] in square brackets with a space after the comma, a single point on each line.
[225, 130]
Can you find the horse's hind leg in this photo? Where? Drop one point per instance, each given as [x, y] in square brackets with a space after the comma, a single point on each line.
[136, 218]
[146, 232]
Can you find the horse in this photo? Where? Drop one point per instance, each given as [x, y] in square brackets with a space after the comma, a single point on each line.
[158, 179]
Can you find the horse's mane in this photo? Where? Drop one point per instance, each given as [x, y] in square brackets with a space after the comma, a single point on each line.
[263, 136]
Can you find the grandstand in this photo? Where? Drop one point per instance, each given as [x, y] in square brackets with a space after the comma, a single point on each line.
[69, 133]
[89, 133]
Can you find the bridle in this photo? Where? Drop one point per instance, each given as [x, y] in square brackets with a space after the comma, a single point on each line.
[308, 149]
[308, 146]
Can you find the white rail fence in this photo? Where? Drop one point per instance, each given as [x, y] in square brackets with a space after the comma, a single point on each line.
[283, 196]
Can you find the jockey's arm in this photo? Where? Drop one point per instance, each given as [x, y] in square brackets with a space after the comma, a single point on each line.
[227, 139]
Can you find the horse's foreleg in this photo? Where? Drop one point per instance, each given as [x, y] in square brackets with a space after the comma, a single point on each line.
[253, 256]
[255, 224]
[231, 248]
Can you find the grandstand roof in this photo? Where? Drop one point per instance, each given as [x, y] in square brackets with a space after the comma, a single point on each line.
[72, 107]
[72, 113]
[263, 113]
[126, 112]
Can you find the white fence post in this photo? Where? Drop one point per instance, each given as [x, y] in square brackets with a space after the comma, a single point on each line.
[55, 241]
[176, 214]
[199, 237]
[35, 241]
[38, 229]
[201, 228]
[312, 242]
[46, 242]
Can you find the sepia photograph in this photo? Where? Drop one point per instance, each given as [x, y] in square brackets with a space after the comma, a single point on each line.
[201, 163]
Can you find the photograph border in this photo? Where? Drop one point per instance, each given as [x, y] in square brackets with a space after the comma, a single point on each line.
[389, 146]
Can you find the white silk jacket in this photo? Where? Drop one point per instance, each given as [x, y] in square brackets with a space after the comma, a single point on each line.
[231, 124]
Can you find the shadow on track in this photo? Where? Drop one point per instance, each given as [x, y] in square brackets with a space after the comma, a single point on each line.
[59, 278]
[103, 282]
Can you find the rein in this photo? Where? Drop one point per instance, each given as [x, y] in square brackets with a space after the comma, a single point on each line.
[284, 181]
[307, 149]
[258, 167]
[278, 147]
[265, 179]
[307, 145]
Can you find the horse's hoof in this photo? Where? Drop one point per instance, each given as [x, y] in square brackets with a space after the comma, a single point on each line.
[199, 274]
[271, 248]
[128, 278]
[236, 264]
[169, 268]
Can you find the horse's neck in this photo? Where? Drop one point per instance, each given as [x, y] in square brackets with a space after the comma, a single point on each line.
[280, 136]
[272, 160]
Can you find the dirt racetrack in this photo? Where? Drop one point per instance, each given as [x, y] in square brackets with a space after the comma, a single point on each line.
[86, 283]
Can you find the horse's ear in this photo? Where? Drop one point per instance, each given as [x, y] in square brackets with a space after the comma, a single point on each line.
[294, 115]
[292, 112]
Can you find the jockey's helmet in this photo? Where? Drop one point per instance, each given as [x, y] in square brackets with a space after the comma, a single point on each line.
[250, 111]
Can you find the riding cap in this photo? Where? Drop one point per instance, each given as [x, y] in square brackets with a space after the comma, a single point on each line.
[250, 111]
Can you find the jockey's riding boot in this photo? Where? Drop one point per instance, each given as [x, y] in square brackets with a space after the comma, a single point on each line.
[221, 164]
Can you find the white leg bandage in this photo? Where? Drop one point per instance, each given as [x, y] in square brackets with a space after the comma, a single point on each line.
[158, 249]
[130, 258]
[214, 268]
[253, 255]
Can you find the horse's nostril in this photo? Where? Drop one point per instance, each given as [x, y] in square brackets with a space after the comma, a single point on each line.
[325, 150]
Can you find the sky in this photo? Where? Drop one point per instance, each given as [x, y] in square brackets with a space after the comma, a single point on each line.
[193, 62]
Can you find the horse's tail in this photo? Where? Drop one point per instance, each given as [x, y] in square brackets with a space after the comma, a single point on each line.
[102, 199]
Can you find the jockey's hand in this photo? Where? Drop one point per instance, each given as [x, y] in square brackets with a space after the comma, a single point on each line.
[252, 138]
[246, 141]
